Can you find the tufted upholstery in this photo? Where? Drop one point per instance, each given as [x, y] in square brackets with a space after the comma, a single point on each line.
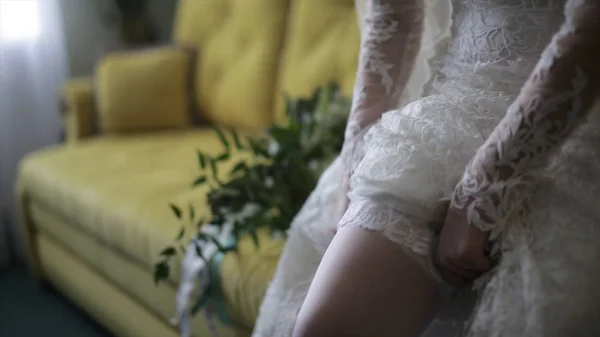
[321, 46]
[239, 46]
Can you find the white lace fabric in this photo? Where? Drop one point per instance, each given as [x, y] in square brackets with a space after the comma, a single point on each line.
[499, 131]
[526, 162]
[390, 40]
[312, 228]
[308, 238]
[555, 100]
[415, 155]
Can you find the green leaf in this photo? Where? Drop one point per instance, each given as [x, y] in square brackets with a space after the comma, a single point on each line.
[213, 167]
[312, 103]
[198, 251]
[228, 249]
[258, 149]
[241, 166]
[254, 236]
[201, 222]
[237, 228]
[222, 138]
[181, 234]
[199, 181]
[161, 272]
[202, 301]
[324, 98]
[202, 160]
[176, 210]
[290, 107]
[202, 236]
[169, 251]
[236, 140]
[286, 139]
[217, 243]
[192, 213]
[223, 157]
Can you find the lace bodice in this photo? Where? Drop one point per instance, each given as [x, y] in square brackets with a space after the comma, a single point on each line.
[495, 46]
[554, 100]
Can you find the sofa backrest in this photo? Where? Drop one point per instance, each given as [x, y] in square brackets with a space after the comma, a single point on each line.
[239, 46]
[321, 46]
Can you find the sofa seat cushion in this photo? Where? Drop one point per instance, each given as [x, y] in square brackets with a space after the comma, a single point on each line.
[116, 190]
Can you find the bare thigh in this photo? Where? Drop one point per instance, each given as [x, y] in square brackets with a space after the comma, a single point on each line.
[367, 286]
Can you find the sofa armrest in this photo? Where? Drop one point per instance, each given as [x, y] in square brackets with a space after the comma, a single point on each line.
[78, 109]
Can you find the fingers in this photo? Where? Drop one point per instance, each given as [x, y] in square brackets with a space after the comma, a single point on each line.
[479, 262]
[457, 276]
[448, 274]
[454, 280]
[461, 271]
[460, 250]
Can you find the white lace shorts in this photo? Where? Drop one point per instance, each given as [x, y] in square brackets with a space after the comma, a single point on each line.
[413, 159]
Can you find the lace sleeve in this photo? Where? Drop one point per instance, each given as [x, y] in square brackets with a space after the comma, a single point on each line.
[390, 41]
[553, 102]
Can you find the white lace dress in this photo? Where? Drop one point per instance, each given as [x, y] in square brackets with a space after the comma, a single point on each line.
[506, 125]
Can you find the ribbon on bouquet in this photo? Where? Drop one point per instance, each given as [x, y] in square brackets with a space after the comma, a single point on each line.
[200, 269]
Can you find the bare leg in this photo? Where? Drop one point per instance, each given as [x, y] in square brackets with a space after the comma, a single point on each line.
[368, 286]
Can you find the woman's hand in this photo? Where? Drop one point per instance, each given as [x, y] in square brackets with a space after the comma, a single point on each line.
[460, 255]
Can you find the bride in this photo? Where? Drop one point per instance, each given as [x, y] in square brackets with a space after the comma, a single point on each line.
[473, 160]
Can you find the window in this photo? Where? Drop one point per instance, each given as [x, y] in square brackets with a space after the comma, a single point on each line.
[19, 20]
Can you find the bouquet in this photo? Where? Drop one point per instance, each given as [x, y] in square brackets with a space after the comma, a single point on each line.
[268, 190]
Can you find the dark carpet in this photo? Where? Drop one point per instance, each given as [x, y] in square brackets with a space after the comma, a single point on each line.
[29, 308]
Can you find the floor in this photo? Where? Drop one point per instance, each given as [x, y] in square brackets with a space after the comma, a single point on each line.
[31, 309]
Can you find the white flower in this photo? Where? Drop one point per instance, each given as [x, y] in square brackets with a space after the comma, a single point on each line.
[273, 148]
[278, 235]
[269, 182]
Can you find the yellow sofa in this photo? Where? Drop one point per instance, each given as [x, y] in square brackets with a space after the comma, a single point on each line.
[95, 210]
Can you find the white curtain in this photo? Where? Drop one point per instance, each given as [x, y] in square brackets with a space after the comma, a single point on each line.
[33, 66]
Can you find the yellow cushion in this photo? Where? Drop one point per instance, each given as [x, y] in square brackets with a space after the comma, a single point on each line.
[145, 90]
[322, 46]
[240, 43]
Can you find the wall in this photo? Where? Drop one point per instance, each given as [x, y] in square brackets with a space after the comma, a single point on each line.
[88, 37]
[163, 13]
